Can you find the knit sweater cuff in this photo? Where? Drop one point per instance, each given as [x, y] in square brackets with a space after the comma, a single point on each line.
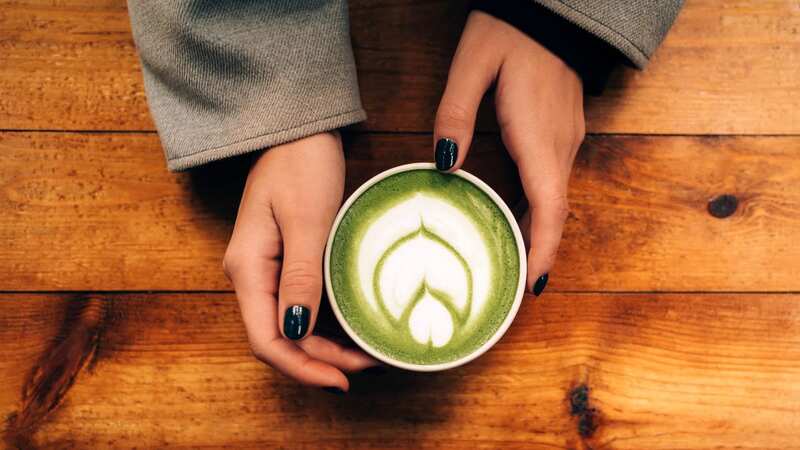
[227, 78]
[589, 56]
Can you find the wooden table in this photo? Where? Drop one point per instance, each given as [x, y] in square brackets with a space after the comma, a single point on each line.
[672, 319]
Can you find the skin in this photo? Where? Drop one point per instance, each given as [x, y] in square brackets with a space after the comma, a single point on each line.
[293, 191]
[274, 257]
[539, 104]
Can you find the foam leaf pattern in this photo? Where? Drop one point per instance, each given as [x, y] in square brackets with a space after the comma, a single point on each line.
[424, 268]
[430, 295]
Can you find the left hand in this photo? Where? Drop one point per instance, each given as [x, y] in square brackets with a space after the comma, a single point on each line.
[274, 259]
[539, 104]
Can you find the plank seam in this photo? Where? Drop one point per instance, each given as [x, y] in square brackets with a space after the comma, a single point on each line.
[576, 292]
[426, 133]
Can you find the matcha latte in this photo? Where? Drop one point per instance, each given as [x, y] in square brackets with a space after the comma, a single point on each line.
[425, 270]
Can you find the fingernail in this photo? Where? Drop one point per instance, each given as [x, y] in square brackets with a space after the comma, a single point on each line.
[295, 321]
[446, 153]
[334, 390]
[540, 284]
[374, 370]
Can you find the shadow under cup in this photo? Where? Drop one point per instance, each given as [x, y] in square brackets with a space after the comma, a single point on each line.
[425, 270]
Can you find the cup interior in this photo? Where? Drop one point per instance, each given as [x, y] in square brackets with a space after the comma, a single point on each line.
[511, 313]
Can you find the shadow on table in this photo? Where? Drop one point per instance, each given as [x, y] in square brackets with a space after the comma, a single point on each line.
[378, 404]
[398, 407]
[217, 187]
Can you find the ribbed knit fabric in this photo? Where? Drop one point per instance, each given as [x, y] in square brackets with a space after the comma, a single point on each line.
[226, 77]
[592, 58]
[233, 76]
[634, 27]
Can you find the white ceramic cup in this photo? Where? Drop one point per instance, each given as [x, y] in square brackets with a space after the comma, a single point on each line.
[511, 313]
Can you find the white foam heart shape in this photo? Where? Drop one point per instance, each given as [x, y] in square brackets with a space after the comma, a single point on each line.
[417, 261]
[425, 243]
[431, 322]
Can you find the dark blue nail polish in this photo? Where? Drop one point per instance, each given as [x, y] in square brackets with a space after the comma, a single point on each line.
[446, 154]
[540, 284]
[334, 390]
[295, 321]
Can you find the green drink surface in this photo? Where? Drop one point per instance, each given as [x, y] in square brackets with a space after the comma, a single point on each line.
[474, 320]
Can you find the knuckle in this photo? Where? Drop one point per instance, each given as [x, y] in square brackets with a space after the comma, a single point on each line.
[550, 257]
[229, 263]
[545, 259]
[267, 350]
[580, 134]
[258, 353]
[261, 352]
[562, 207]
[558, 205]
[453, 115]
[301, 277]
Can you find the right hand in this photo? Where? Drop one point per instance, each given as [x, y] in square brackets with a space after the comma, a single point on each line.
[274, 259]
[539, 105]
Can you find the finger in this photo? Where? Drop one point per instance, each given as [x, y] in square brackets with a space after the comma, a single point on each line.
[255, 289]
[547, 196]
[544, 180]
[472, 71]
[294, 362]
[253, 264]
[300, 290]
[346, 359]
[304, 216]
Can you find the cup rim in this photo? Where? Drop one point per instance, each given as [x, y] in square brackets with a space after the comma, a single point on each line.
[501, 330]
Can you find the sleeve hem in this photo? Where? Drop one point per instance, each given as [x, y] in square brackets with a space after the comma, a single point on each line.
[591, 57]
[265, 140]
[636, 55]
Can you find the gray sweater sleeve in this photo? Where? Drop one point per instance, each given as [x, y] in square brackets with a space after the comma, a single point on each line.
[634, 27]
[228, 77]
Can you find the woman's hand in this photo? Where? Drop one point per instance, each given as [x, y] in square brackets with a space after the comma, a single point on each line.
[539, 104]
[274, 259]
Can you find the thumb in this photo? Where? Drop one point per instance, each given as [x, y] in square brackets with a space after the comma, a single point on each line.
[300, 286]
[470, 76]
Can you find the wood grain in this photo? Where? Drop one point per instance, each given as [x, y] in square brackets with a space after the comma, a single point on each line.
[84, 210]
[727, 67]
[69, 65]
[672, 318]
[649, 371]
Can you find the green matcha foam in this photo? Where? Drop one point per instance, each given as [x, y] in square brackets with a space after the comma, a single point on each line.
[424, 267]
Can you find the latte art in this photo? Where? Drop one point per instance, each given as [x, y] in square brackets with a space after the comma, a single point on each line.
[424, 268]
[418, 279]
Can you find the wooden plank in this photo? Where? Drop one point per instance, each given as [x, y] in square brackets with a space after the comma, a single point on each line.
[69, 65]
[723, 69]
[575, 371]
[85, 211]
[727, 67]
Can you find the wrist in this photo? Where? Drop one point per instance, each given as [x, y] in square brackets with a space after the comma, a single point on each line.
[589, 56]
[324, 146]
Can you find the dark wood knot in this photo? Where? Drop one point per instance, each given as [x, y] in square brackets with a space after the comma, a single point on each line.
[723, 206]
[580, 408]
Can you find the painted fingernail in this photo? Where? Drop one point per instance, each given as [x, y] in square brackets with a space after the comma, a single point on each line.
[295, 321]
[540, 284]
[446, 153]
[334, 390]
[374, 370]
